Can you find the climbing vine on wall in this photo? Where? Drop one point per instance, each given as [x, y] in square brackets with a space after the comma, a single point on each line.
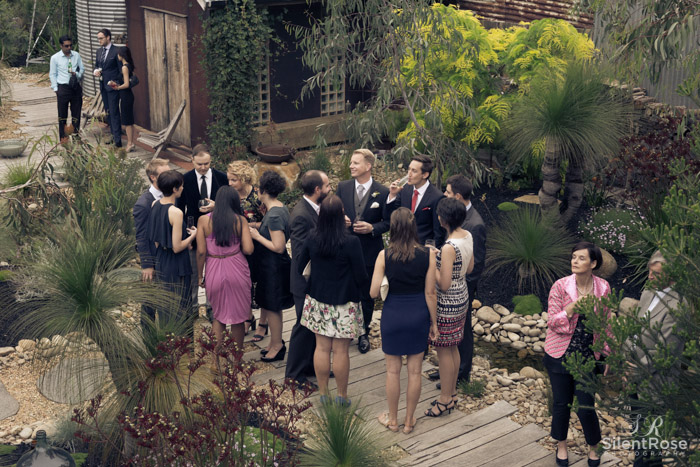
[235, 42]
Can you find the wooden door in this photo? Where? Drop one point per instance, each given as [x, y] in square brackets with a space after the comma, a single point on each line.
[168, 71]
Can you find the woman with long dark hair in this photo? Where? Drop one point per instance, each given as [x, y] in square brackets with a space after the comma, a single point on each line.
[126, 95]
[409, 315]
[331, 308]
[223, 240]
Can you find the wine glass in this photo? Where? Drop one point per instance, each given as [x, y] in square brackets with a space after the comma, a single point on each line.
[430, 243]
[190, 222]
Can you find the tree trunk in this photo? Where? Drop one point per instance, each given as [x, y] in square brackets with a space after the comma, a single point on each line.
[574, 186]
[551, 180]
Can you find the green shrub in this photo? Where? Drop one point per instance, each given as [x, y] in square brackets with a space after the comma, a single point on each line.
[507, 206]
[527, 305]
[343, 436]
[609, 228]
[6, 275]
[18, 174]
[533, 243]
[474, 388]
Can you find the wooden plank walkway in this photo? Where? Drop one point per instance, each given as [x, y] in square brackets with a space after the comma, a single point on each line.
[487, 437]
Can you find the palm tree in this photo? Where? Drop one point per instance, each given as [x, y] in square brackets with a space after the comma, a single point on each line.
[580, 119]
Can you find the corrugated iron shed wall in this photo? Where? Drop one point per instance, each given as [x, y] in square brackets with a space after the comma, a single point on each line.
[515, 11]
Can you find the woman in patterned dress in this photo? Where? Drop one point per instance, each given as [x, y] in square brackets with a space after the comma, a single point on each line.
[331, 308]
[454, 261]
[241, 176]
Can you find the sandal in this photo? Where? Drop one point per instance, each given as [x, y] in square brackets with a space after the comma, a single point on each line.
[383, 419]
[442, 408]
[251, 325]
[259, 337]
[454, 399]
[408, 429]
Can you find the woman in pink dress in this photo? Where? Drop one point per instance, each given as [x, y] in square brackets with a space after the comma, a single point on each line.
[223, 239]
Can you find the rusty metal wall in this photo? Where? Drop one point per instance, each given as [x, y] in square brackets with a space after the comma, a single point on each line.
[93, 15]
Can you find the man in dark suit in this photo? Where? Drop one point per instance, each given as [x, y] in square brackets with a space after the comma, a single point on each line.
[421, 197]
[302, 343]
[460, 188]
[109, 68]
[142, 211]
[364, 200]
[201, 183]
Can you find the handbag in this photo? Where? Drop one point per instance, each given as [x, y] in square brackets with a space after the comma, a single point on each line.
[307, 271]
[73, 81]
[384, 288]
[133, 80]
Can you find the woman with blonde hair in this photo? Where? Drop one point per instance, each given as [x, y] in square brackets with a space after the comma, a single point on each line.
[242, 178]
[409, 316]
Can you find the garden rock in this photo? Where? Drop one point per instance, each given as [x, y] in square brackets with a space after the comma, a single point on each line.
[26, 432]
[8, 404]
[609, 266]
[512, 327]
[27, 345]
[5, 351]
[476, 304]
[479, 329]
[544, 316]
[74, 380]
[513, 336]
[529, 372]
[518, 345]
[501, 310]
[628, 306]
[503, 381]
[486, 313]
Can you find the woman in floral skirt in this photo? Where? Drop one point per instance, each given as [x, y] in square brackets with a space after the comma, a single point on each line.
[331, 308]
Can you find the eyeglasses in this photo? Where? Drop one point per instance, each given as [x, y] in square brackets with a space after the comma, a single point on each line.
[67, 46]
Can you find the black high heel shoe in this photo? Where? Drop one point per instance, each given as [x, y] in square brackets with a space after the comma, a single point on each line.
[259, 337]
[280, 355]
[593, 462]
[252, 324]
[561, 462]
[442, 408]
[454, 399]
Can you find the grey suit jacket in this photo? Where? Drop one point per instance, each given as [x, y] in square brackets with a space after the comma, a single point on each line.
[142, 210]
[302, 221]
[475, 225]
[659, 316]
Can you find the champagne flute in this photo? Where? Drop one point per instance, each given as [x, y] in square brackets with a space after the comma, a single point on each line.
[403, 181]
[430, 244]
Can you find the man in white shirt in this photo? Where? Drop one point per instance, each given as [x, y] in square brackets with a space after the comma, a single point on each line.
[66, 73]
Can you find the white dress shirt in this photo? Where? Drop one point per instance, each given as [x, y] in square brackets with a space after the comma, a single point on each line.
[367, 185]
[157, 194]
[316, 207]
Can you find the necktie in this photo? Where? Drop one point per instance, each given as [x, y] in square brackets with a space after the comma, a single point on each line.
[203, 188]
[360, 192]
[104, 55]
[414, 200]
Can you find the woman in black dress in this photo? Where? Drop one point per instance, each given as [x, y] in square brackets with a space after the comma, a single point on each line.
[409, 315]
[126, 96]
[166, 231]
[272, 292]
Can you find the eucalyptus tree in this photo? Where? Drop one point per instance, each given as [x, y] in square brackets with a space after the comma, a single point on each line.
[645, 37]
[371, 44]
[580, 120]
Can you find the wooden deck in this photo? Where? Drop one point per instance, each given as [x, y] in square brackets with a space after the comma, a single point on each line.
[487, 437]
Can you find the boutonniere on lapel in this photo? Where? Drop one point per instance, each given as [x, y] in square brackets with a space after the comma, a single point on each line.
[374, 195]
[374, 205]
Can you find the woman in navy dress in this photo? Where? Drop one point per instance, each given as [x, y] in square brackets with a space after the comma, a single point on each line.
[166, 230]
[409, 316]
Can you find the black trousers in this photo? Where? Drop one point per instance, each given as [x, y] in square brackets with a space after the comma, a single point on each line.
[367, 302]
[564, 388]
[111, 102]
[466, 347]
[302, 344]
[67, 96]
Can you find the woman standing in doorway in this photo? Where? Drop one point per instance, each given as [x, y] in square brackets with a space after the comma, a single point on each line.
[126, 95]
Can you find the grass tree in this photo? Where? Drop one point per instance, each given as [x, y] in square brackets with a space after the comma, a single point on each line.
[578, 118]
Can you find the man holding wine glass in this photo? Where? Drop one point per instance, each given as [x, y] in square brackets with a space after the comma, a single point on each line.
[364, 201]
[415, 192]
[199, 193]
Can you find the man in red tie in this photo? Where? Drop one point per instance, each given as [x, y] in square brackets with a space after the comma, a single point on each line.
[421, 197]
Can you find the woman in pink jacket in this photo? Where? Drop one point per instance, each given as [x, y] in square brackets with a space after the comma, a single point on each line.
[566, 335]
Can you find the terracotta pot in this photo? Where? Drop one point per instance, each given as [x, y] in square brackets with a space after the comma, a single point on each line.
[275, 153]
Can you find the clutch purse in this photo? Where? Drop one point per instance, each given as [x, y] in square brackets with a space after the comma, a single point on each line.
[133, 81]
[307, 271]
[384, 288]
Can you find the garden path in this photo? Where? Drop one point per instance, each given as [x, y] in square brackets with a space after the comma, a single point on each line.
[486, 437]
